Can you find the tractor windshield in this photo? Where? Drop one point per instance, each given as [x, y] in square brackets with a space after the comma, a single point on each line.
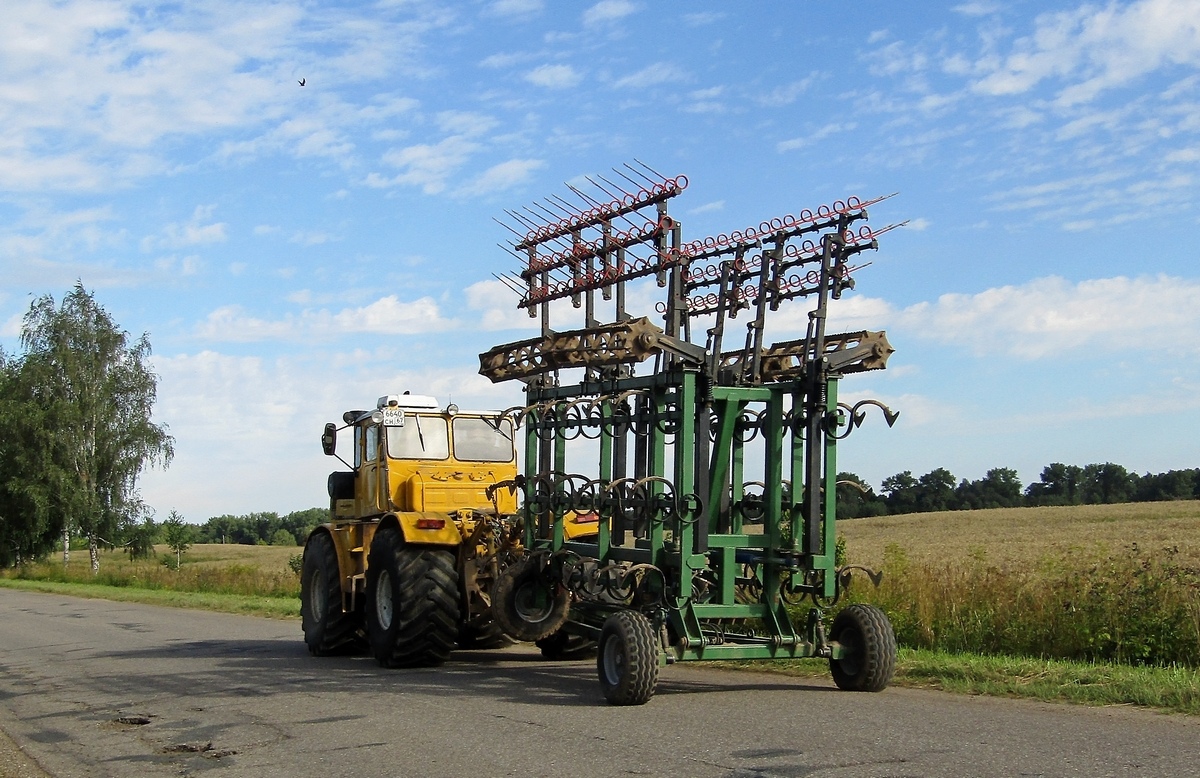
[421, 437]
[483, 440]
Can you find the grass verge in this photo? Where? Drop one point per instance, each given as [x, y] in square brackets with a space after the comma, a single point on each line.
[1174, 689]
[271, 607]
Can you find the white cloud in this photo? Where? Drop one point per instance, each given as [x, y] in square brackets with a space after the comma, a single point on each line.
[310, 238]
[554, 76]
[516, 7]
[98, 93]
[465, 123]
[503, 176]
[1043, 318]
[652, 75]
[1092, 49]
[786, 94]
[221, 407]
[976, 8]
[426, 165]
[11, 328]
[715, 205]
[193, 232]
[815, 136]
[386, 316]
[702, 18]
[504, 60]
[1051, 316]
[497, 305]
[608, 11]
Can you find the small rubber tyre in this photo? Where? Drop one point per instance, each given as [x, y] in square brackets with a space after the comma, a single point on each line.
[627, 661]
[412, 611]
[527, 605]
[566, 646]
[327, 628]
[869, 649]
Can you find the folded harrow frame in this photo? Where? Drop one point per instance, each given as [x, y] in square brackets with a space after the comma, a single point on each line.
[692, 559]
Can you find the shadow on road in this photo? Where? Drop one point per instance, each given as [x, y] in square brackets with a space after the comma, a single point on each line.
[263, 668]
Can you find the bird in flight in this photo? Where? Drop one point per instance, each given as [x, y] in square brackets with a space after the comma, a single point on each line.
[300, 82]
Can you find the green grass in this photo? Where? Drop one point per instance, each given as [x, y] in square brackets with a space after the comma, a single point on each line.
[1174, 689]
[254, 605]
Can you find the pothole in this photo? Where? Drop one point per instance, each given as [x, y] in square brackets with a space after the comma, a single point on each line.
[205, 750]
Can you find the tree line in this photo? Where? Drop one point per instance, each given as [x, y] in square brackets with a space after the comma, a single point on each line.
[1059, 484]
[263, 528]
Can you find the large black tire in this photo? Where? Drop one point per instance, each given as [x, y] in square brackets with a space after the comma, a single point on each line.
[566, 646]
[412, 602]
[327, 629]
[869, 649]
[628, 658]
[527, 605]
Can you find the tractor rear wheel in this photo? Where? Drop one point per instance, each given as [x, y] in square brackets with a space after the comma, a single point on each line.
[527, 604]
[868, 644]
[412, 602]
[628, 658]
[327, 628]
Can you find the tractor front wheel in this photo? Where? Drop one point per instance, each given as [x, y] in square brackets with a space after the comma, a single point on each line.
[628, 659]
[327, 628]
[412, 602]
[868, 648]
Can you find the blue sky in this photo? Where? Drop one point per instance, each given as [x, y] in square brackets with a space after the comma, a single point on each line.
[296, 251]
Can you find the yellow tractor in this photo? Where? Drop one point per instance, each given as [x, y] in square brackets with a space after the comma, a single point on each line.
[421, 527]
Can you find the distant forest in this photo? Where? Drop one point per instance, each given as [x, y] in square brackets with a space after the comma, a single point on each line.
[262, 529]
[939, 490]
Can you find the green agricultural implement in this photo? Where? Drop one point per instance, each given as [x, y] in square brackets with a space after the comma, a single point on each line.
[695, 557]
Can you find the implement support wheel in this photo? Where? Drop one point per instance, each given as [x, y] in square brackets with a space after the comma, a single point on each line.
[628, 658]
[528, 605]
[327, 628]
[869, 649]
[412, 602]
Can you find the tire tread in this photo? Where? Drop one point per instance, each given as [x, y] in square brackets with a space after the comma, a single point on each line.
[426, 606]
[336, 632]
[877, 642]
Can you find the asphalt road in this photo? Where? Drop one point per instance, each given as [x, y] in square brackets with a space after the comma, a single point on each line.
[95, 688]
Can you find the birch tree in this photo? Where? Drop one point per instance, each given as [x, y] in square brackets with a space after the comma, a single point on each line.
[85, 372]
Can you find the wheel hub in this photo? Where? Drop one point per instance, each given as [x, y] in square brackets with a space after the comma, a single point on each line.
[384, 606]
[317, 595]
[614, 660]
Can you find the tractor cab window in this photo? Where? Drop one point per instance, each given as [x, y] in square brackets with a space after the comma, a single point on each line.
[421, 437]
[372, 434]
[483, 440]
[358, 441]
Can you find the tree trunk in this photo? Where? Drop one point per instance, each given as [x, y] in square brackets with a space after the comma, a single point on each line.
[66, 543]
[94, 552]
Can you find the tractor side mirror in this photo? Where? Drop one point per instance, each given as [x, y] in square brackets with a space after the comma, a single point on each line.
[329, 439]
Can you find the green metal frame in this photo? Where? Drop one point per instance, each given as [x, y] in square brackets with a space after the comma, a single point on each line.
[700, 606]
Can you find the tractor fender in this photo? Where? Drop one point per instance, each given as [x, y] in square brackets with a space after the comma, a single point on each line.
[340, 546]
[424, 527]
